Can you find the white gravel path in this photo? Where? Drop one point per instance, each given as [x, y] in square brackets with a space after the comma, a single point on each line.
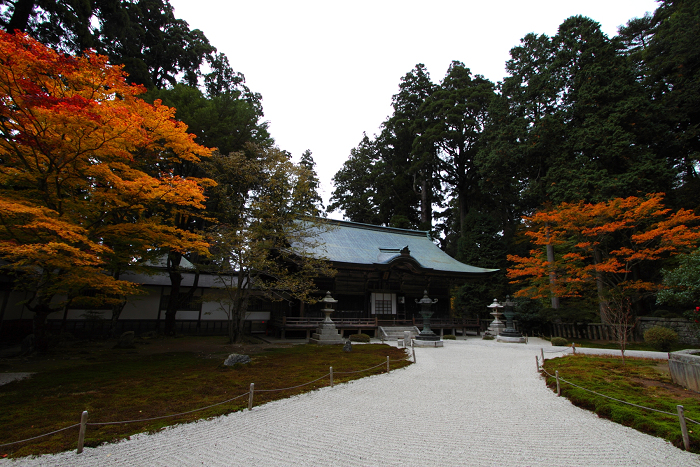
[470, 403]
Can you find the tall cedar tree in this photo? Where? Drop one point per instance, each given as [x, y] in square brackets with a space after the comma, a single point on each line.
[357, 189]
[78, 201]
[665, 48]
[455, 115]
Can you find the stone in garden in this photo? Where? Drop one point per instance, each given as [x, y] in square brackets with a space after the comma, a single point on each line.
[27, 344]
[126, 341]
[347, 347]
[236, 358]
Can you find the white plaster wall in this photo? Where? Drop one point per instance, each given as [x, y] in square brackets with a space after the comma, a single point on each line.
[143, 306]
[212, 310]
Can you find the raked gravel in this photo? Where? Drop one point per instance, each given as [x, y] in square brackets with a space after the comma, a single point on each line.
[470, 403]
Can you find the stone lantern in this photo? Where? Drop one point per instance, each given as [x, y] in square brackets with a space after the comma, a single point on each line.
[509, 334]
[326, 332]
[427, 337]
[328, 306]
[497, 325]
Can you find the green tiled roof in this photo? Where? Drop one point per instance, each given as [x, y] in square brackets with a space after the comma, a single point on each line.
[351, 242]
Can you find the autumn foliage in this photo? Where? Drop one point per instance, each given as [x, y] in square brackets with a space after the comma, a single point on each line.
[599, 248]
[85, 187]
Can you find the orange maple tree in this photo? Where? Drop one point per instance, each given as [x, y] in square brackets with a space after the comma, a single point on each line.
[600, 246]
[81, 195]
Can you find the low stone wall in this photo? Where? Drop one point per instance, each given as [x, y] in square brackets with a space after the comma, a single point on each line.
[686, 332]
[685, 368]
[597, 331]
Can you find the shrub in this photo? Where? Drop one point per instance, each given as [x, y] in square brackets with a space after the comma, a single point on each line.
[449, 337]
[488, 337]
[660, 337]
[559, 341]
[359, 338]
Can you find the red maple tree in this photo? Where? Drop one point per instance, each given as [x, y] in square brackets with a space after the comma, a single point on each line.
[81, 196]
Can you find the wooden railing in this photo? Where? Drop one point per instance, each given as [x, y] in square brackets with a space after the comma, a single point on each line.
[313, 322]
[450, 323]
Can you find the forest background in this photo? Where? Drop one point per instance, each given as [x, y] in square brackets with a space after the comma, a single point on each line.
[580, 118]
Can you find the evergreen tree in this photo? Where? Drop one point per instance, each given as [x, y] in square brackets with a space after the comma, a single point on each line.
[356, 185]
[305, 197]
[155, 48]
[458, 113]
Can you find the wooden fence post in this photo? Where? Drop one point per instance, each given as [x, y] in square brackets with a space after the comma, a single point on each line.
[537, 362]
[413, 350]
[387, 364]
[684, 428]
[81, 433]
[556, 373]
[542, 354]
[250, 396]
[331, 376]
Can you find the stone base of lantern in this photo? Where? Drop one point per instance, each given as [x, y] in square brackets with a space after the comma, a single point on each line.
[424, 343]
[513, 339]
[326, 333]
[496, 328]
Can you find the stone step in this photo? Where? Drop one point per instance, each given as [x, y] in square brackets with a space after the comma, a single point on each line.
[396, 332]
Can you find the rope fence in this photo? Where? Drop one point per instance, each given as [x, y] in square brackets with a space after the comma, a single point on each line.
[682, 419]
[84, 423]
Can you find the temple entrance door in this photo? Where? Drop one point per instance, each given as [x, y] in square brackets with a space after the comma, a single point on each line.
[383, 306]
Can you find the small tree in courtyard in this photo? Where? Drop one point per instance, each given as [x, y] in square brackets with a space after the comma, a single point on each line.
[262, 245]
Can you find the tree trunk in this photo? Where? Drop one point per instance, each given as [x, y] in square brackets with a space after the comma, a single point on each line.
[552, 276]
[240, 307]
[242, 312]
[41, 335]
[426, 204]
[176, 299]
[20, 17]
[173, 265]
[602, 303]
[5, 298]
[117, 309]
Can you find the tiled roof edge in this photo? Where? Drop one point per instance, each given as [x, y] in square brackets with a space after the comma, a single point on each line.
[379, 228]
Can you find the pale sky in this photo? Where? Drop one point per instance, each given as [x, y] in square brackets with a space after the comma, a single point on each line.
[327, 69]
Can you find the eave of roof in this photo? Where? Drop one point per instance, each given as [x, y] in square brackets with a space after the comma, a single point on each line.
[364, 244]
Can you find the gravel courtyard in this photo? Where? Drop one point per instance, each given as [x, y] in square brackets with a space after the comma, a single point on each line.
[471, 403]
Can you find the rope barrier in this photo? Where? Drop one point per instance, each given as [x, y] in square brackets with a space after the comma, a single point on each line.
[194, 410]
[166, 416]
[557, 351]
[617, 400]
[682, 419]
[40, 436]
[294, 387]
[359, 371]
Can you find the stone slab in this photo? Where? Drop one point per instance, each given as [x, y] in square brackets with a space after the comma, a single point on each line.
[420, 343]
[514, 340]
[684, 366]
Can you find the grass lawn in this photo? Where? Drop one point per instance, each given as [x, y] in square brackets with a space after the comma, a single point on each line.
[184, 374]
[640, 381]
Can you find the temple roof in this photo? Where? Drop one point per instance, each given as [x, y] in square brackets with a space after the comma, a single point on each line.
[355, 243]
